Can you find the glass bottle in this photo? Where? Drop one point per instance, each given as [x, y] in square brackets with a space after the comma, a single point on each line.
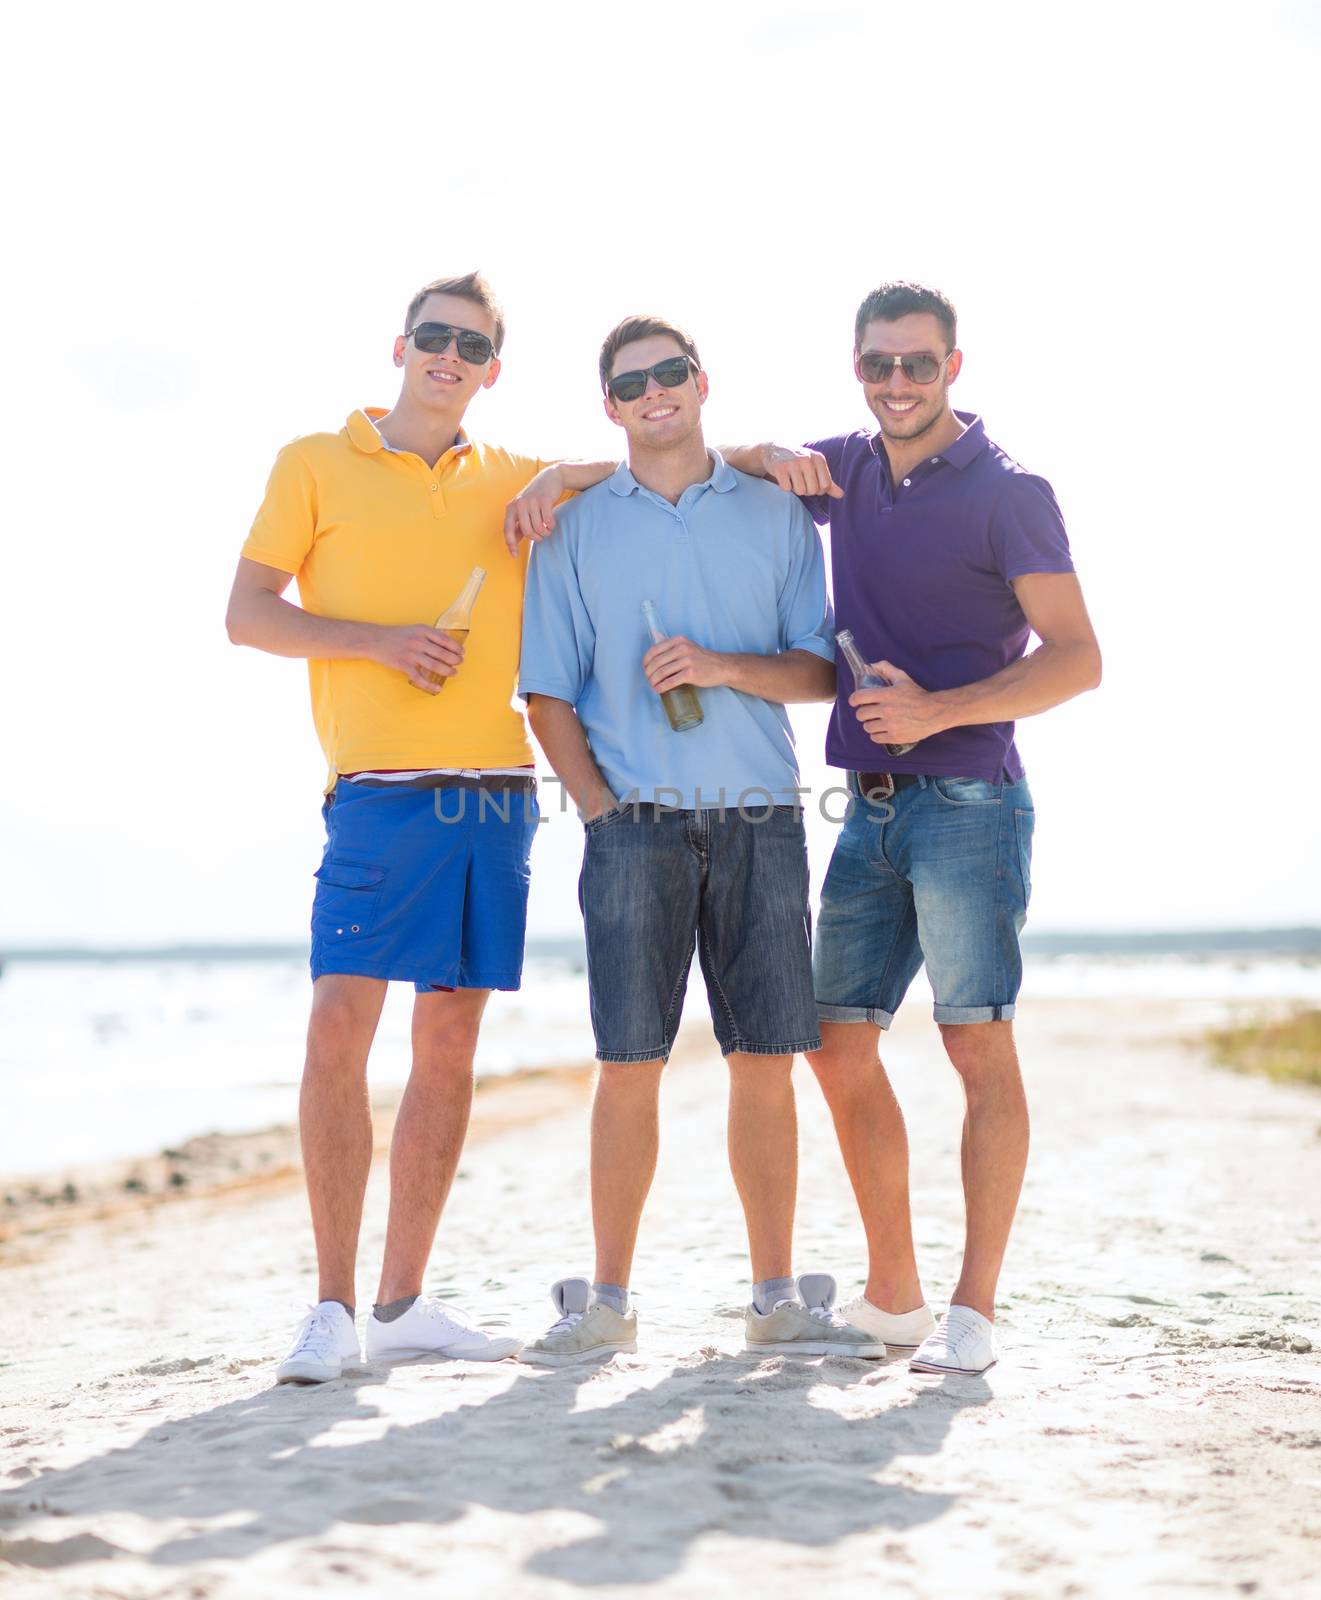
[866, 677]
[682, 706]
[456, 619]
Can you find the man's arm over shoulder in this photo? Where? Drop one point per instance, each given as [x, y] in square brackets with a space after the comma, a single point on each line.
[809, 473]
[531, 513]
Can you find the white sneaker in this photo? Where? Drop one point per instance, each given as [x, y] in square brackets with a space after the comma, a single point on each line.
[902, 1331]
[325, 1343]
[431, 1328]
[585, 1330]
[964, 1342]
[807, 1325]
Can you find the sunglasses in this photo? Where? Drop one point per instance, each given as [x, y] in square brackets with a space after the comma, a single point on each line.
[873, 367]
[669, 373]
[434, 337]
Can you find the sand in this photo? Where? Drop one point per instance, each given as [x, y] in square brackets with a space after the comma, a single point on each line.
[1153, 1427]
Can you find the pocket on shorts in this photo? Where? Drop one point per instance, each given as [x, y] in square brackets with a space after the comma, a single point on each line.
[967, 791]
[605, 819]
[347, 895]
[1025, 821]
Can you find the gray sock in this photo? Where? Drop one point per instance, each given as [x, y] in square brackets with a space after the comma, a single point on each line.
[614, 1295]
[393, 1308]
[765, 1295]
[352, 1310]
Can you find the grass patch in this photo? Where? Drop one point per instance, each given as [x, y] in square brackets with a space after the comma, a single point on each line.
[1287, 1049]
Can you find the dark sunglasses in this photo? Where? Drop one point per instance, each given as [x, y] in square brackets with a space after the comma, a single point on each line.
[873, 367]
[669, 373]
[434, 337]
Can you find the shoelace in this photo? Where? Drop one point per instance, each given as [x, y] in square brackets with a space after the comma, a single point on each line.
[317, 1338]
[434, 1311]
[570, 1319]
[826, 1314]
[954, 1333]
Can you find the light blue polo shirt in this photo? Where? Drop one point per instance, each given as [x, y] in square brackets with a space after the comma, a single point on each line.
[736, 565]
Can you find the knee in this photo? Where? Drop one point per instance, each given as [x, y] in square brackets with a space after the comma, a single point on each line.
[844, 1075]
[338, 1037]
[982, 1053]
[625, 1079]
[761, 1075]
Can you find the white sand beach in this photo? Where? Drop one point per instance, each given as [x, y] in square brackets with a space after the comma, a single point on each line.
[1153, 1426]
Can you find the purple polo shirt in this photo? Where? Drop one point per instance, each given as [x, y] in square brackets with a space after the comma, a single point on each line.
[922, 573]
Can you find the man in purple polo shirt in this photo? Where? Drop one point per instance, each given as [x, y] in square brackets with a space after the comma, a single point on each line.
[946, 556]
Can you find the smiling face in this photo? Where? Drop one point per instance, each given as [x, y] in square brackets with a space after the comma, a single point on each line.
[662, 419]
[445, 382]
[904, 409]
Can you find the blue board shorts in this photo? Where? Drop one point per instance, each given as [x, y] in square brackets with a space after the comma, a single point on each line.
[656, 882]
[940, 872]
[425, 884]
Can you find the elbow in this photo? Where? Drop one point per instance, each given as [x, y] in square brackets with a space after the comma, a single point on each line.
[1092, 678]
[236, 626]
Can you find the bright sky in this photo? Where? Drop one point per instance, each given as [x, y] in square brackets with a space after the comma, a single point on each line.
[216, 219]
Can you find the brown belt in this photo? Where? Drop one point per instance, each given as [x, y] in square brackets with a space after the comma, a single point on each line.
[881, 785]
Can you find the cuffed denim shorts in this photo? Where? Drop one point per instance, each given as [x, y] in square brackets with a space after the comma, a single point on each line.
[654, 883]
[424, 884]
[939, 872]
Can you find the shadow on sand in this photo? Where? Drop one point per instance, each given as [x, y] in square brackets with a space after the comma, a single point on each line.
[655, 1470]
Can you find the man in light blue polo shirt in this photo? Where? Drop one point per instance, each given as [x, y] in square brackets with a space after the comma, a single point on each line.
[692, 836]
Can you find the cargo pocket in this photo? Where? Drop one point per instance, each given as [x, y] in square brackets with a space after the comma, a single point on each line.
[347, 895]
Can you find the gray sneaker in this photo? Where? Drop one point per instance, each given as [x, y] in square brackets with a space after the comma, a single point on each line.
[586, 1329]
[808, 1326]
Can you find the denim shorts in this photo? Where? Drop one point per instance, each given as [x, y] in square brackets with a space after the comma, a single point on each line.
[653, 883]
[424, 884]
[940, 873]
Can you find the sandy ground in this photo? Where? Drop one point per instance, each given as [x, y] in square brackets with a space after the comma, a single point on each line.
[1150, 1429]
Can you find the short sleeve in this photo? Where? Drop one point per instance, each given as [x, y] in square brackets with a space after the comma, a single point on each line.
[806, 619]
[819, 506]
[285, 525]
[1027, 529]
[559, 641]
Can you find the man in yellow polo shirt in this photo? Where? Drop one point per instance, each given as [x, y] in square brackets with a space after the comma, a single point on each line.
[430, 803]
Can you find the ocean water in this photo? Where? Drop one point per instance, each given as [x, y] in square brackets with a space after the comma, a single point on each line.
[102, 1060]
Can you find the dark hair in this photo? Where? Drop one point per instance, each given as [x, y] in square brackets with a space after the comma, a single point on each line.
[468, 286]
[899, 299]
[641, 328]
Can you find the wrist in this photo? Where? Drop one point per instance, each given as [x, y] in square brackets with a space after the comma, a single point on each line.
[946, 712]
[725, 670]
[364, 642]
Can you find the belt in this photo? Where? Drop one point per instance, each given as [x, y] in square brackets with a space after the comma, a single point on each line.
[881, 785]
[501, 782]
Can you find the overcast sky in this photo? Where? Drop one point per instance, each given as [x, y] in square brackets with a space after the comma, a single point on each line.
[217, 218]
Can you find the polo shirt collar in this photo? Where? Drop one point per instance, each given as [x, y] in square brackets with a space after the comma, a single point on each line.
[366, 435]
[965, 449]
[723, 477]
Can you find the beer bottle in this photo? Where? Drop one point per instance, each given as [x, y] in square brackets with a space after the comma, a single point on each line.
[682, 706]
[865, 677]
[456, 619]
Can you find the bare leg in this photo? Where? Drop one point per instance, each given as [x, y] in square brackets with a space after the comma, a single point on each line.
[763, 1156]
[994, 1155]
[625, 1141]
[874, 1144]
[429, 1132]
[335, 1122]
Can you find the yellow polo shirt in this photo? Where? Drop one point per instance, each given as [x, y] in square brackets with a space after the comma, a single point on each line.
[375, 535]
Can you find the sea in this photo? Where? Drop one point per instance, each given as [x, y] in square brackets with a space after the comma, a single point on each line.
[108, 1055]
